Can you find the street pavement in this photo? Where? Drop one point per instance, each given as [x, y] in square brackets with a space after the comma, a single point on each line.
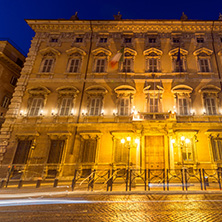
[93, 207]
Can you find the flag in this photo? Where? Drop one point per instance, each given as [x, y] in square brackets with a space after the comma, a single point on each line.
[178, 56]
[179, 61]
[117, 58]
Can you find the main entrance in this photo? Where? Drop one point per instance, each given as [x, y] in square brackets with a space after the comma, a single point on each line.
[154, 152]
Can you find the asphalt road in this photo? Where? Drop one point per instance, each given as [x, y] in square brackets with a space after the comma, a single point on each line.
[93, 208]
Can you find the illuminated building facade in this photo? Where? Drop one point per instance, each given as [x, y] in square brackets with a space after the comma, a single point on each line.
[160, 107]
[11, 63]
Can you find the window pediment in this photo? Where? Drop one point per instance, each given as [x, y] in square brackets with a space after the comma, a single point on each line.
[152, 52]
[210, 89]
[103, 51]
[203, 52]
[174, 52]
[39, 90]
[129, 52]
[75, 50]
[49, 51]
[125, 89]
[95, 90]
[67, 90]
[182, 89]
[153, 87]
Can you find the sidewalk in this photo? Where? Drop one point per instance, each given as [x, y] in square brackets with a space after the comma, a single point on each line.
[65, 192]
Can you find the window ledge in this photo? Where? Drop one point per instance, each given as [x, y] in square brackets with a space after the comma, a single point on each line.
[45, 73]
[205, 73]
[99, 73]
[72, 73]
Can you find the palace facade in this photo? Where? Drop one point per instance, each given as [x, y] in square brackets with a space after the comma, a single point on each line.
[158, 108]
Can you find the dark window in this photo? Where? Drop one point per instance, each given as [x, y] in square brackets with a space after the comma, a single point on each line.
[216, 148]
[221, 39]
[5, 102]
[152, 40]
[89, 151]
[56, 150]
[79, 39]
[13, 81]
[103, 40]
[19, 62]
[127, 40]
[176, 40]
[22, 152]
[200, 40]
[54, 40]
[121, 152]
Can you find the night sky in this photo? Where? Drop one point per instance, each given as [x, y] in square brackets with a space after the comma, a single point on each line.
[13, 13]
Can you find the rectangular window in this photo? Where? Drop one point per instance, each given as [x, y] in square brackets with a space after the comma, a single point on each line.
[88, 151]
[182, 106]
[176, 40]
[36, 107]
[124, 106]
[6, 102]
[54, 40]
[65, 107]
[13, 81]
[22, 151]
[216, 144]
[152, 40]
[152, 65]
[121, 152]
[74, 65]
[56, 151]
[154, 105]
[100, 65]
[127, 65]
[210, 105]
[200, 40]
[187, 151]
[79, 40]
[204, 65]
[95, 107]
[179, 65]
[103, 40]
[127, 40]
[220, 39]
[47, 65]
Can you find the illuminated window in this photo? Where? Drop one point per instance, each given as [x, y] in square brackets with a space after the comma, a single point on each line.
[187, 151]
[66, 106]
[95, 106]
[36, 106]
[216, 144]
[210, 105]
[124, 106]
[153, 104]
[121, 152]
[183, 106]
[88, 150]
[5, 102]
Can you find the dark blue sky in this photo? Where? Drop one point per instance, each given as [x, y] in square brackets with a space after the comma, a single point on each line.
[13, 13]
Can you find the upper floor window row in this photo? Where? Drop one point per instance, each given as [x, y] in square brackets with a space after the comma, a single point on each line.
[126, 64]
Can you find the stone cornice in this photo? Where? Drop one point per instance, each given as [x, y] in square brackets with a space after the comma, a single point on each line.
[124, 25]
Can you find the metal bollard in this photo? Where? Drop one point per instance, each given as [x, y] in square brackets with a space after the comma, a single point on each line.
[20, 184]
[38, 183]
[55, 182]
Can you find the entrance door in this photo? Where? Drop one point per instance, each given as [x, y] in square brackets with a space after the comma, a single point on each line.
[154, 152]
